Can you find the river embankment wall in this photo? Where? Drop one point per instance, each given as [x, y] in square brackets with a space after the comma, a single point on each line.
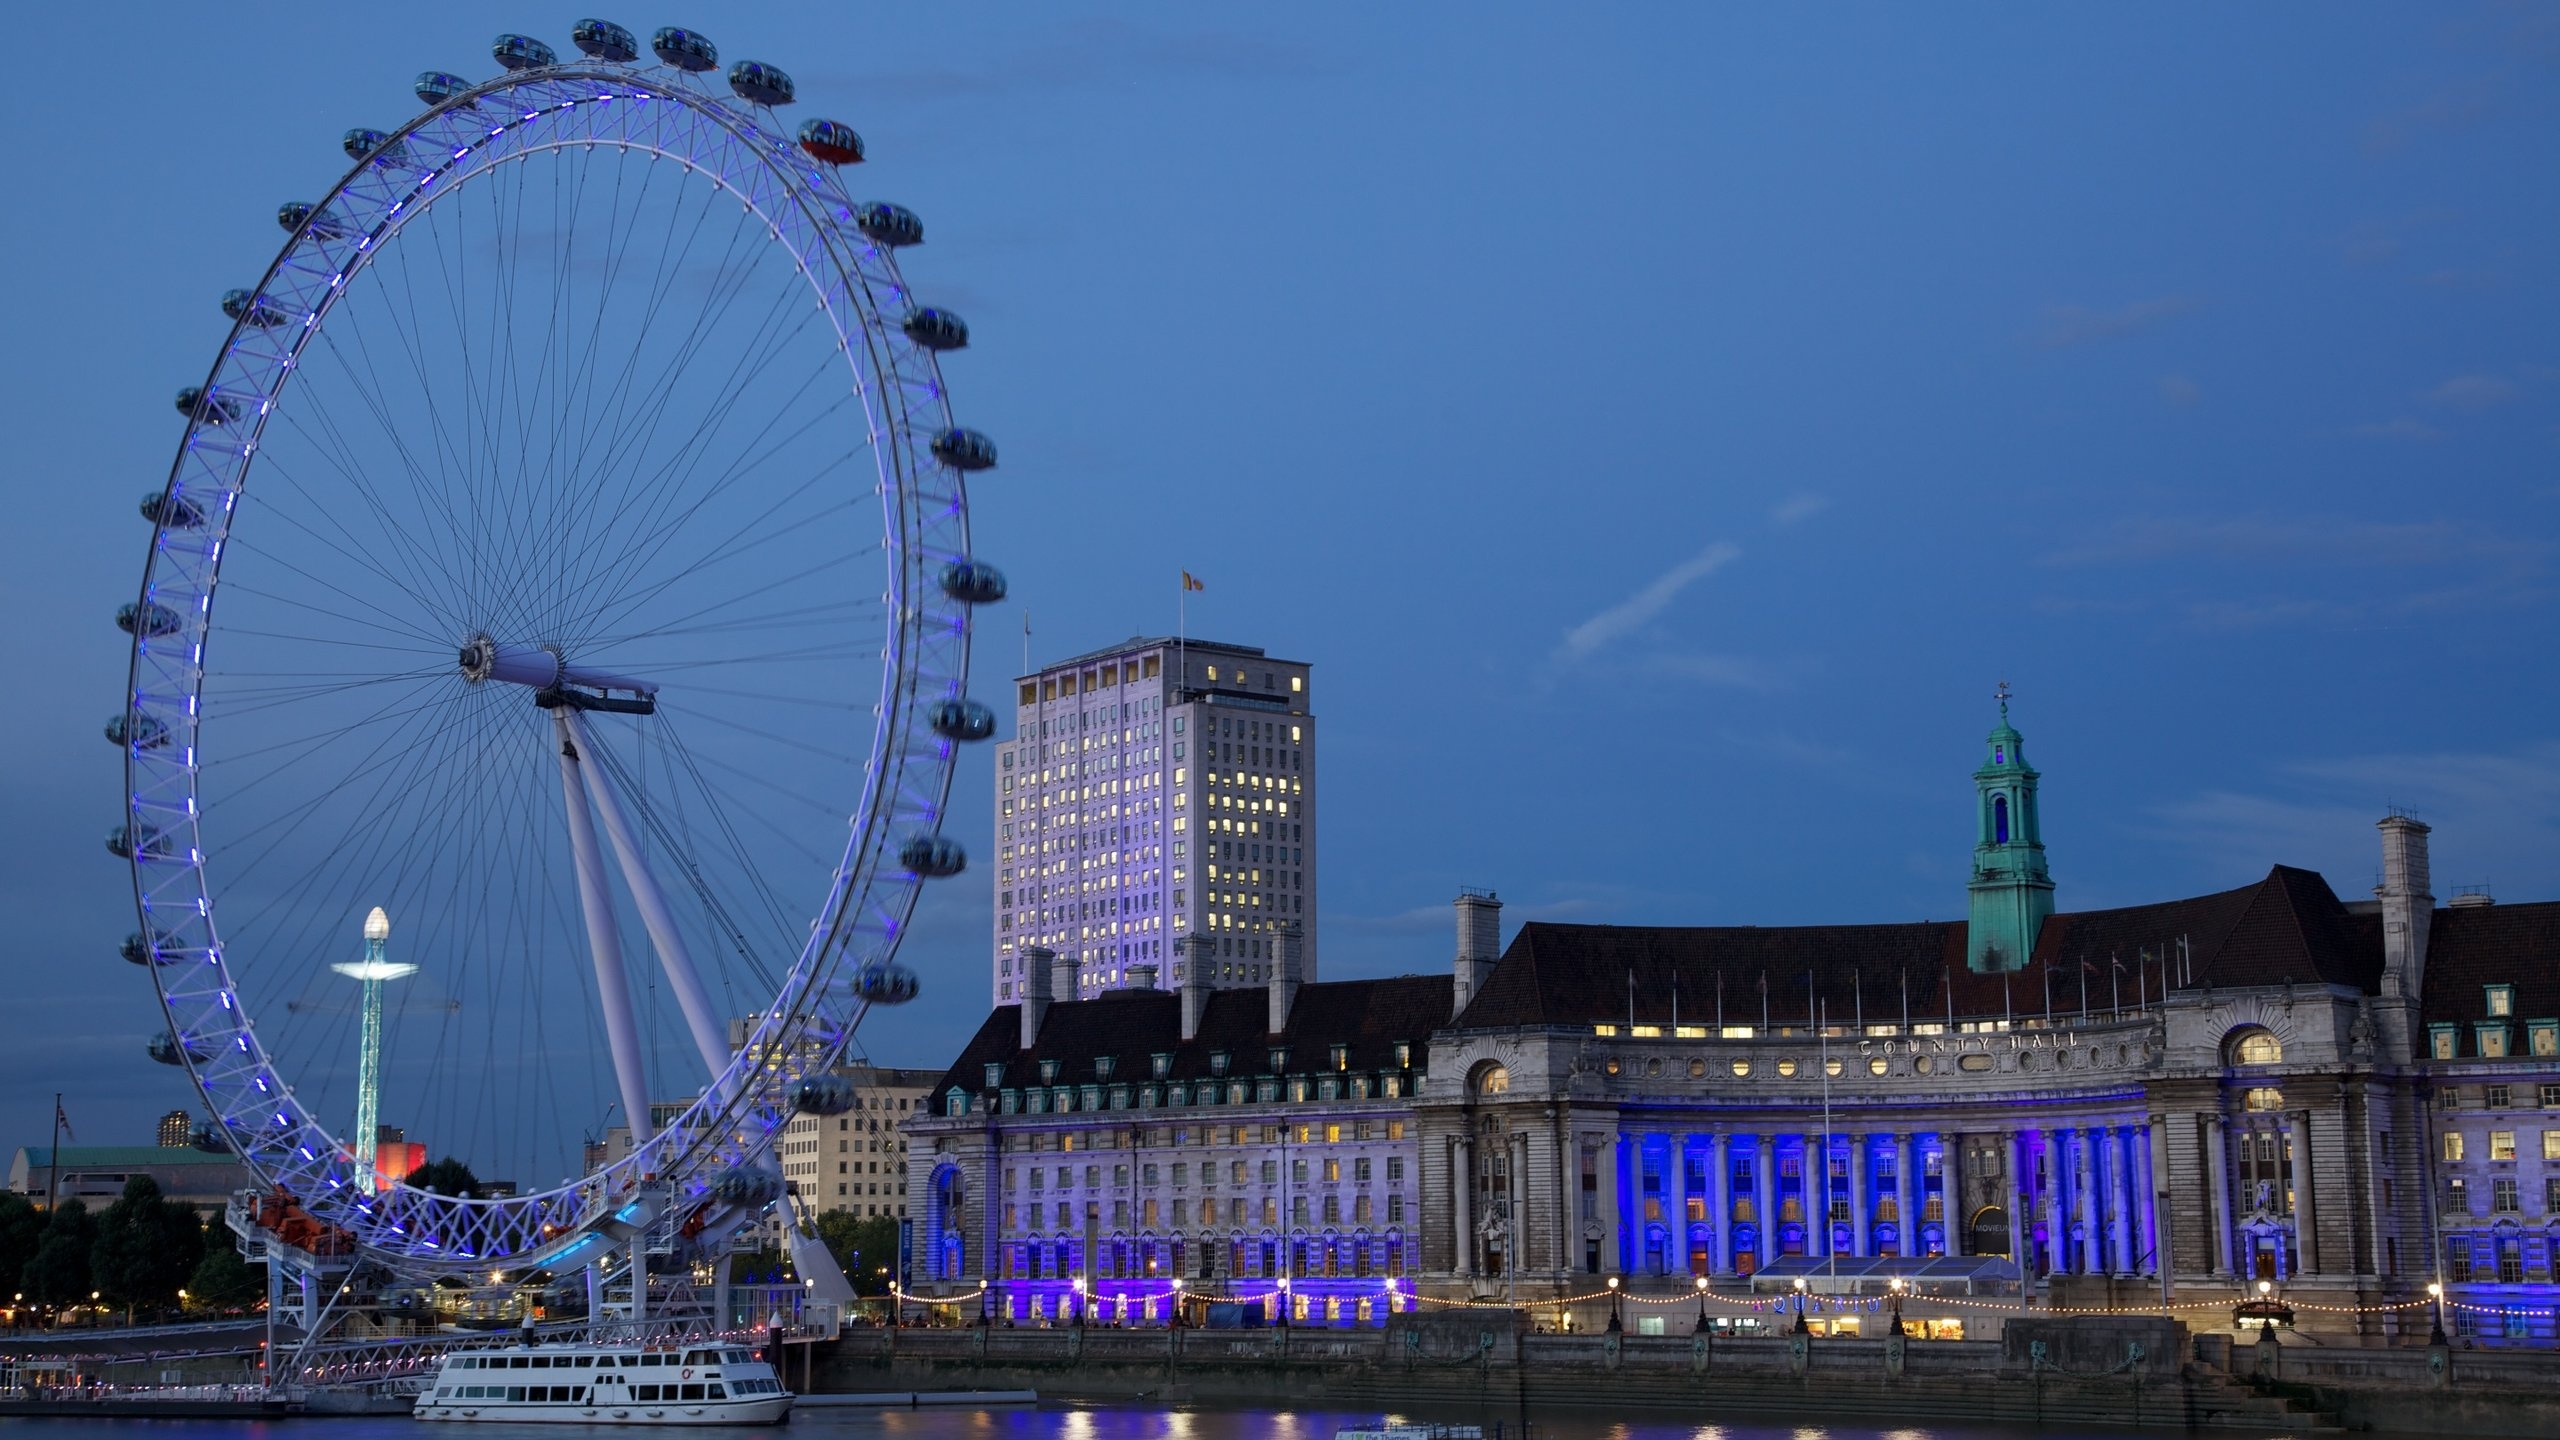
[2135, 1372]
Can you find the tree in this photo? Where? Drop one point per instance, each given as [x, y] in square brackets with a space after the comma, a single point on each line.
[224, 1281]
[21, 1226]
[447, 1176]
[146, 1247]
[58, 1273]
[861, 1247]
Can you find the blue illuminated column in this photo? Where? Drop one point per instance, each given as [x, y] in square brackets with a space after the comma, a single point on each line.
[1720, 1203]
[1861, 1208]
[1764, 1198]
[372, 971]
[1907, 1188]
[2120, 1234]
[2052, 1150]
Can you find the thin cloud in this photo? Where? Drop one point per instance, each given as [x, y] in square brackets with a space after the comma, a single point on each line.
[2473, 393]
[1798, 508]
[2485, 806]
[2179, 393]
[1731, 672]
[2399, 427]
[2068, 325]
[1632, 612]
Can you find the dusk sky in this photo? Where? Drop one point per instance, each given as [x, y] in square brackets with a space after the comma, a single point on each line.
[1659, 426]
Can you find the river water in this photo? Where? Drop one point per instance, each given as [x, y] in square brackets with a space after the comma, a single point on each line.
[1062, 1422]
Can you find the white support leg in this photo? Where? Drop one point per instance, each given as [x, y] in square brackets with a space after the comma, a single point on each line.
[604, 939]
[699, 1017]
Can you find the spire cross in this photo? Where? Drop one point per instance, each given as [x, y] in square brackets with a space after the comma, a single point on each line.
[2002, 695]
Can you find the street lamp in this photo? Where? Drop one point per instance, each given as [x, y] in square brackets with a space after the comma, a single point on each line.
[1285, 1306]
[1800, 1327]
[2435, 1330]
[1701, 1282]
[1615, 1324]
[1896, 1328]
[2266, 1310]
[1177, 1302]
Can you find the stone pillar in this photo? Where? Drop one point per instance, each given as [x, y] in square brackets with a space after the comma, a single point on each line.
[2120, 1196]
[1675, 1204]
[1861, 1199]
[2306, 1227]
[1764, 1194]
[1516, 1243]
[1951, 1214]
[2057, 1228]
[2013, 1151]
[1906, 1189]
[1816, 1168]
[1460, 1205]
[1613, 1255]
[1720, 1204]
[2217, 1193]
[2156, 1233]
[2091, 1204]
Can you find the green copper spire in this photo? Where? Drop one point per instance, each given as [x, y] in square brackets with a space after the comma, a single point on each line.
[2011, 893]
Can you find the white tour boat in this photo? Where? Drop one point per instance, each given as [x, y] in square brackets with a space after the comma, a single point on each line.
[605, 1384]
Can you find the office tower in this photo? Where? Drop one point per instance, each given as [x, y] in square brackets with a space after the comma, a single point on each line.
[1158, 789]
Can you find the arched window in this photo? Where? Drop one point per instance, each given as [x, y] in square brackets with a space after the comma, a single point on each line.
[1999, 819]
[1494, 1080]
[2256, 1046]
[2263, 1097]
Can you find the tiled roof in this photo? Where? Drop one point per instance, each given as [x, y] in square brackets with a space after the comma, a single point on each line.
[2288, 926]
[2473, 947]
[1132, 1026]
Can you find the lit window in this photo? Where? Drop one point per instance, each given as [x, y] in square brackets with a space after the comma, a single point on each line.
[2257, 1047]
[2264, 1097]
[2453, 1146]
[2502, 1144]
[2502, 1000]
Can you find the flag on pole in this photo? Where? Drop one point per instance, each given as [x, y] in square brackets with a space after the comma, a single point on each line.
[1191, 582]
[62, 1119]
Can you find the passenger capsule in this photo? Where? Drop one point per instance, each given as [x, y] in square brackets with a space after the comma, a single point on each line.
[973, 582]
[832, 141]
[210, 409]
[961, 720]
[163, 1047]
[364, 144]
[605, 41]
[760, 84]
[293, 214]
[256, 310]
[522, 52]
[148, 620]
[138, 949]
[139, 730]
[937, 329]
[886, 984]
[437, 88]
[964, 449]
[935, 857]
[824, 1095]
[748, 1187]
[171, 510]
[125, 840]
[890, 225]
[685, 49]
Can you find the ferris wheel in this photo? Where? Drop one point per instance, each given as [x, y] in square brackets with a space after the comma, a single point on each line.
[556, 619]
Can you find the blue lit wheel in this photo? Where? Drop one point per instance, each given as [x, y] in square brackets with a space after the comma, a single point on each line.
[591, 539]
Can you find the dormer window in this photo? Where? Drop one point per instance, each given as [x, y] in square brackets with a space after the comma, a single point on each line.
[995, 1074]
[2441, 1041]
[2502, 1001]
[1217, 1062]
[1163, 1062]
[2491, 1040]
[1102, 1067]
[1279, 1059]
[1341, 1057]
[1404, 1055]
[1048, 1072]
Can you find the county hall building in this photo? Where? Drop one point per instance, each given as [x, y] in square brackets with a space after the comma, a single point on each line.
[2266, 1093]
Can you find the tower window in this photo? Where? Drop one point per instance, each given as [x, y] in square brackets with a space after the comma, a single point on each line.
[1999, 819]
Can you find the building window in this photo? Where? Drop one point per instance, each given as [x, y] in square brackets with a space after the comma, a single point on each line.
[2502, 1195]
[2257, 1047]
[2496, 1097]
[2441, 1040]
[2502, 1144]
[2502, 1001]
[2491, 1039]
[1999, 819]
[2457, 1196]
[2453, 1147]
[2263, 1097]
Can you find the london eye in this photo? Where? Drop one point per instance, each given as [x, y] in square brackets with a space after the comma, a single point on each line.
[567, 553]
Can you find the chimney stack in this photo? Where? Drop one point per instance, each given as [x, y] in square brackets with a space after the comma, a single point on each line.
[1035, 960]
[1284, 976]
[1479, 945]
[2408, 906]
[1141, 977]
[1062, 978]
[1194, 981]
